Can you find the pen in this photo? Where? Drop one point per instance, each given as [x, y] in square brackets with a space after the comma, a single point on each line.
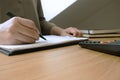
[12, 15]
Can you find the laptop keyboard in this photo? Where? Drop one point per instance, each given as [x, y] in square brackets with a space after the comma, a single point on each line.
[110, 47]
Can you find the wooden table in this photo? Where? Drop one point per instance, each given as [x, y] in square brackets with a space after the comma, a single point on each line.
[65, 63]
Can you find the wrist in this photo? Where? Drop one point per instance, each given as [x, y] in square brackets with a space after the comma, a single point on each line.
[56, 30]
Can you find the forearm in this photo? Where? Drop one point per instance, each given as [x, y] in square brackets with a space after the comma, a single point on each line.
[56, 30]
[50, 28]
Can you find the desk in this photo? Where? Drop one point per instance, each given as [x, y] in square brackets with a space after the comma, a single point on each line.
[65, 63]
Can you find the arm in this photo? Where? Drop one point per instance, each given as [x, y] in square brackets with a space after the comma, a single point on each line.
[70, 31]
[51, 28]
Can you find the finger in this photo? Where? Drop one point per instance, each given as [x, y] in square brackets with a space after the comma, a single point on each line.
[66, 34]
[16, 42]
[20, 38]
[73, 31]
[14, 38]
[28, 23]
[77, 32]
[27, 32]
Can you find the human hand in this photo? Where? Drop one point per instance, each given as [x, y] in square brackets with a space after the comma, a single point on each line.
[71, 31]
[18, 30]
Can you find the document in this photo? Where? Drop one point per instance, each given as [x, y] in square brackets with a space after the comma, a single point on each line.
[100, 31]
[101, 35]
[52, 41]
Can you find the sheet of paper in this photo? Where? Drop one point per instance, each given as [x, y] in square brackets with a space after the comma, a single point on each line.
[51, 40]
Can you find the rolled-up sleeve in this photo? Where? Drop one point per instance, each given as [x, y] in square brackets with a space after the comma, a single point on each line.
[0, 15]
[45, 25]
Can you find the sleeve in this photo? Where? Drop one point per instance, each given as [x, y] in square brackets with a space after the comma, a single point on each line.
[0, 14]
[0, 11]
[0, 2]
[45, 25]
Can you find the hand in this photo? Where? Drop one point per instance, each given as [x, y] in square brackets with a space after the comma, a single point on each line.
[71, 31]
[18, 30]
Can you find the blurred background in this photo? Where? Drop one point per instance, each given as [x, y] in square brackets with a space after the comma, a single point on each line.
[83, 14]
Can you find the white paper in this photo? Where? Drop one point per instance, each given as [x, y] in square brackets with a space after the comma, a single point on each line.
[51, 40]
